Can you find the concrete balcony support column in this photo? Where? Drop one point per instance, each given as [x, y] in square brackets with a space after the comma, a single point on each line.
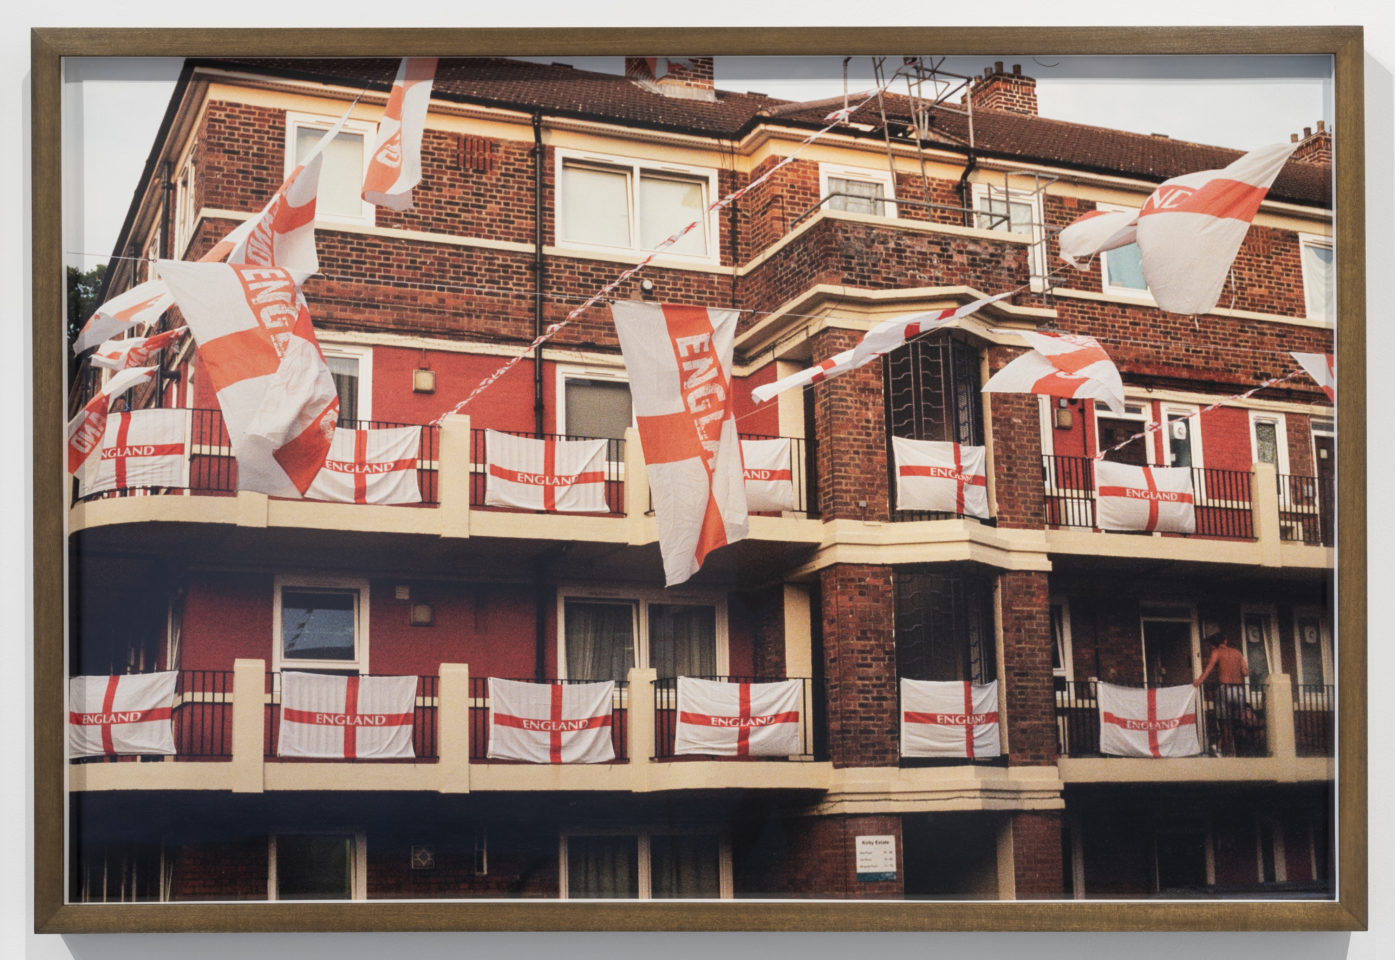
[636, 485]
[453, 476]
[640, 717]
[1278, 717]
[1264, 502]
[248, 726]
[453, 728]
[799, 649]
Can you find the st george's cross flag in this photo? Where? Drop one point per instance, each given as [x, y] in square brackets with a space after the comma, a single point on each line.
[564, 476]
[351, 718]
[1322, 367]
[86, 430]
[834, 365]
[738, 719]
[551, 722]
[395, 167]
[142, 304]
[141, 448]
[134, 351]
[257, 343]
[679, 363]
[949, 718]
[769, 477]
[1062, 365]
[1144, 498]
[1097, 232]
[1191, 227]
[121, 715]
[941, 476]
[1152, 722]
[370, 465]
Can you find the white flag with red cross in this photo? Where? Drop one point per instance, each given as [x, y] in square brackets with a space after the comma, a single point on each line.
[142, 304]
[257, 343]
[1062, 365]
[134, 351]
[1144, 498]
[834, 365]
[566, 476]
[738, 719]
[370, 465]
[769, 477]
[1152, 722]
[396, 164]
[140, 448]
[949, 718]
[349, 718]
[1191, 228]
[86, 430]
[130, 714]
[941, 476]
[1322, 367]
[551, 722]
[1096, 232]
[679, 362]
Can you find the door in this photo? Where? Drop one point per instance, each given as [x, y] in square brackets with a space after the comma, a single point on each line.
[1167, 652]
[1325, 455]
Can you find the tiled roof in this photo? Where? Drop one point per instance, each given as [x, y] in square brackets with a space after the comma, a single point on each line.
[559, 89]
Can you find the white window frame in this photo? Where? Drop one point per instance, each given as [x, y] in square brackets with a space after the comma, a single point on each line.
[184, 212]
[643, 865]
[1324, 642]
[296, 121]
[1321, 428]
[640, 598]
[358, 864]
[829, 171]
[1107, 287]
[1036, 254]
[1067, 669]
[634, 168]
[1280, 438]
[1306, 240]
[1192, 413]
[359, 663]
[364, 356]
[1141, 411]
[567, 371]
[1144, 616]
[1272, 654]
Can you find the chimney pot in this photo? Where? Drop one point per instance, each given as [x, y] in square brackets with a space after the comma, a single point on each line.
[997, 66]
[988, 71]
[1017, 69]
[1293, 138]
[1320, 125]
[1307, 132]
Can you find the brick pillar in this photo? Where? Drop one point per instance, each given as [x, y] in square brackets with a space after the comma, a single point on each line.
[767, 609]
[860, 665]
[1028, 697]
[850, 423]
[817, 857]
[1036, 855]
[1014, 423]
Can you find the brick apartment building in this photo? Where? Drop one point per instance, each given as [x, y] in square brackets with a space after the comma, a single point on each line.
[542, 183]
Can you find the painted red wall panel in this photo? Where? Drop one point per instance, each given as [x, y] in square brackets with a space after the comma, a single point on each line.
[489, 627]
[226, 616]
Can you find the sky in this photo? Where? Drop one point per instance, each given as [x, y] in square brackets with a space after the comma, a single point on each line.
[1232, 101]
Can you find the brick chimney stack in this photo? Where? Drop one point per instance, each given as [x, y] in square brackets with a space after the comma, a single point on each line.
[683, 78]
[1314, 147]
[1011, 92]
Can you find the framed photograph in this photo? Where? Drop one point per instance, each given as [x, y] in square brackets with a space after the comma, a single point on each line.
[636, 479]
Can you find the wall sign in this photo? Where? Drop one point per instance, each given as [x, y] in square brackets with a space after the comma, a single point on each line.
[876, 858]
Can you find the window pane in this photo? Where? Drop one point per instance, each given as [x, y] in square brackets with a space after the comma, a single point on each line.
[1179, 440]
[1317, 279]
[341, 173]
[1266, 442]
[313, 867]
[684, 868]
[682, 640]
[599, 640]
[1310, 651]
[597, 408]
[944, 626]
[1256, 650]
[344, 370]
[667, 205]
[865, 195]
[1125, 268]
[318, 625]
[1114, 431]
[602, 867]
[596, 205]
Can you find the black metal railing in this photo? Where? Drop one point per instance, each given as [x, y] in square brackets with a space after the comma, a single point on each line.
[480, 714]
[800, 475]
[201, 721]
[666, 717]
[1313, 718]
[1221, 497]
[1233, 720]
[1305, 509]
[425, 710]
[614, 467]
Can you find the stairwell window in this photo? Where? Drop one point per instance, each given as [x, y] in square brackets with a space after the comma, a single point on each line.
[857, 190]
[629, 206]
[1318, 290]
[321, 624]
[341, 174]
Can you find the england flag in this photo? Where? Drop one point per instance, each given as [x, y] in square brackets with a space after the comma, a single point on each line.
[769, 479]
[738, 719]
[1144, 498]
[348, 718]
[141, 448]
[551, 722]
[377, 465]
[949, 718]
[1152, 722]
[121, 715]
[565, 476]
[940, 476]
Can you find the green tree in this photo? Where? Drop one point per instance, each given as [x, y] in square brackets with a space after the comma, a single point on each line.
[82, 297]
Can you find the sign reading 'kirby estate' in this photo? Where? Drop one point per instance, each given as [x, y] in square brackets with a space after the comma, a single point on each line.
[876, 858]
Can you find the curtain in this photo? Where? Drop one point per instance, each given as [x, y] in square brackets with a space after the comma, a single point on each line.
[602, 867]
[600, 640]
[683, 640]
[684, 867]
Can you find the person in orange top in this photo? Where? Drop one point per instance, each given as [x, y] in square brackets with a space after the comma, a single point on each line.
[1231, 672]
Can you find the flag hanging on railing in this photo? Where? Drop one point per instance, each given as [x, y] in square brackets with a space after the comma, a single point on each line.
[86, 430]
[140, 448]
[1096, 232]
[941, 476]
[1322, 367]
[370, 465]
[121, 715]
[1144, 498]
[396, 164]
[134, 351]
[769, 479]
[143, 304]
[566, 476]
[551, 722]
[349, 718]
[738, 719]
[949, 718]
[258, 345]
[1062, 365]
[1152, 722]
[679, 362]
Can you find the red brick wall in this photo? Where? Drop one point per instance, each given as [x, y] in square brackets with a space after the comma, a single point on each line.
[1036, 855]
[234, 870]
[860, 665]
[1005, 91]
[765, 610]
[817, 858]
[850, 424]
[1015, 427]
[1027, 696]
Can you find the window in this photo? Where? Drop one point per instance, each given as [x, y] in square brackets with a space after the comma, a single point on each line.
[1313, 647]
[1171, 654]
[625, 205]
[933, 391]
[857, 190]
[1113, 429]
[352, 370]
[594, 402]
[321, 623]
[1182, 443]
[1062, 668]
[184, 210]
[944, 624]
[1269, 439]
[1121, 270]
[1012, 211]
[1318, 289]
[603, 637]
[658, 866]
[345, 162]
[317, 866]
[1257, 629]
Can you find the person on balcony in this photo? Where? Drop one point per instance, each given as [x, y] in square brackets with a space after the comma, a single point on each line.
[1231, 670]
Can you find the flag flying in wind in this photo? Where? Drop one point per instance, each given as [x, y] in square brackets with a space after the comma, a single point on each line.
[134, 351]
[1152, 722]
[769, 480]
[1096, 232]
[1062, 365]
[1322, 367]
[941, 476]
[679, 362]
[949, 718]
[351, 718]
[86, 430]
[257, 343]
[737, 719]
[1144, 498]
[141, 304]
[566, 476]
[140, 448]
[130, 714]
[551, 722]
[396, 165]
[370, 465]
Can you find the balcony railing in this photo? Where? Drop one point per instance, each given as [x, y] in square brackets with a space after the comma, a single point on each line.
[666, 718]
[614, 467]
[1305, 509]
[1233, 720]
[424, 713]
[479, 718]
[1313, 719]
[201, 721]
[1222, 497]
[805, 490]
